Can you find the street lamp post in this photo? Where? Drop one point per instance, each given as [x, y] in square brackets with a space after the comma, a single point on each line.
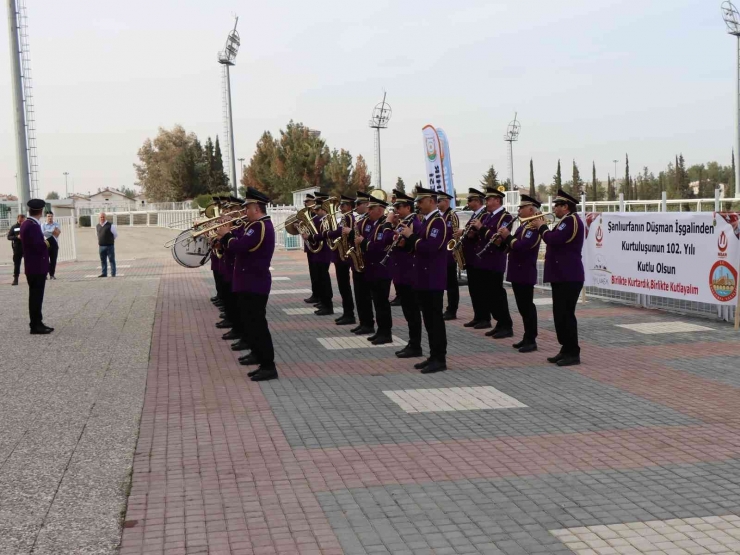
[66, 189]
[227, 59]
[732, 20]
[241, 170]
[615, 174]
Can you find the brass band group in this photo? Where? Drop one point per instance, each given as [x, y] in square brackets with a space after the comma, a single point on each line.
[417, 244]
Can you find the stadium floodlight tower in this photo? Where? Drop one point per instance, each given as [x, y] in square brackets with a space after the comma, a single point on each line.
[732, 20]
[512, 135]
[380, 118]
[227, 59]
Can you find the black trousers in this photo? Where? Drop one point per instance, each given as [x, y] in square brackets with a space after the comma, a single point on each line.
[231, 306]
[36, 286]
[524, 295]
[312, 276]
[564, 298]
[476, 288]
[379, 290]
[345, 289]
[323, 283]
[217, 281]
[17, 257]
[53, 254]
[412, 313]
[253, 313]
[431, 311]
[497, 302]
[453, 289]
[363, 299]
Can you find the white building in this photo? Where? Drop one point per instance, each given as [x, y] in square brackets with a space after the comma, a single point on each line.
[695, 189]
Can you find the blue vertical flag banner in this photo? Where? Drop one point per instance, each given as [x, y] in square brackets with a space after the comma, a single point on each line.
[433, 159]
[447, 166]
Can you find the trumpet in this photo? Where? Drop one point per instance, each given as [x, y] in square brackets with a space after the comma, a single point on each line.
[549, 218]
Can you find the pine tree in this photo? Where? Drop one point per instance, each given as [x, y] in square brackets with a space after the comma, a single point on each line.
[400, 185]
[490, 178]
[532, 192]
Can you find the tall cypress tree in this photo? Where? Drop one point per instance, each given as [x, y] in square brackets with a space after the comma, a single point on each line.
[219, 179]
[577, 187]
[557, 180]
[594, 185]
[627, 188]
[532, 191]
[732, 178]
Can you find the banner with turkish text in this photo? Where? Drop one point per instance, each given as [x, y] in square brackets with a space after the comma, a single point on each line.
[433, 157]
[692, 256]
[447, 166]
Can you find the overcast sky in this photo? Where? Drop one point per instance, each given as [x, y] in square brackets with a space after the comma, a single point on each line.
[590, 80]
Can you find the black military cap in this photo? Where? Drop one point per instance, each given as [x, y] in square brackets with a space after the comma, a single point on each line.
[36, 204]
[526, 200]
[421, 193]
[343, 199]
[475, 193]
[309, 196]
[441, 196]
[565, 198]
[372, 201]
[363, 197]
[253, 195]
[492, 192]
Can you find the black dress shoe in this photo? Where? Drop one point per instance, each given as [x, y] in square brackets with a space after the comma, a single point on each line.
[569, 361]
[103, 275]
[519, 344]
[423, 364]
[265, 373]
[47, 327]
[484, 325]
[318, 305]
[244, 356]
[222, 315]
[434, 366]
[223, 324]
[396, 302]
[410, 353]
[40, 330]
[528, 348]
[470, 324]
[214, 298]
[249, 360]
[449, 315]
[231, 335]
[556, 358]
[503, 333]
[373, 336]
[311, 300]
[253, 372]
[382, 339]
[345, 321]
[324, 311]
[240, 345]
[15, 280]
[364, 330]
[494, 331]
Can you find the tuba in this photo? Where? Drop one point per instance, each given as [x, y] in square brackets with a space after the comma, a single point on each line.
[304, 224]
[331, 207]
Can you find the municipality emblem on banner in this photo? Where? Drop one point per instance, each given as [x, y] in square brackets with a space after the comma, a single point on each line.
[431, 149]
[723, 281]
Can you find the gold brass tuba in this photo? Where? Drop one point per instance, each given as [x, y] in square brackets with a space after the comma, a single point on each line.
[304, 223]
[331, 207]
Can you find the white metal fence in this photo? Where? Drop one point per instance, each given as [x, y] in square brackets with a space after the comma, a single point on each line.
[67, 241]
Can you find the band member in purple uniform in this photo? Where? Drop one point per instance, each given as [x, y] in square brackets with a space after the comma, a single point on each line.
[453, 223]
[309, 202]
[564, 273]
[342, 267]
[36, 264]
[363, 297]
[471, 245]
[429, 248]
[403, 272]
[492, 264]
[253, 250]
[376, 236]
[523, 246]
[321, 260]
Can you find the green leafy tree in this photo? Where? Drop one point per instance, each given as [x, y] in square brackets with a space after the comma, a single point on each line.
[683, 189]
[532, 191]
[400, 185]
[542, 191]
[217, 178]
[490, 178]
[53, 195]
[361, 177]
[130, 193]
[338, 173]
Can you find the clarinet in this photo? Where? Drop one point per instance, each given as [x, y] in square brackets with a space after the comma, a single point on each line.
[495, 236]
[407, 220]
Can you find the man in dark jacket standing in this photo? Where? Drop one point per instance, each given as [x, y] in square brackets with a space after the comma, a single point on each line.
[14, 235]
[36, 255]
[107, 235]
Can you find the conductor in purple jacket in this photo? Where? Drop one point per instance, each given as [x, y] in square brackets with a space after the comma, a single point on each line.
[251, 283]
[523, 246]
[36, 262]
[430, 252]
[403, 271]
[491, 263]
[564, 273]
[374, 238]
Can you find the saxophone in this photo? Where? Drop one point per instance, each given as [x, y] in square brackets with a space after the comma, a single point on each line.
[358, 261]
[456, 245]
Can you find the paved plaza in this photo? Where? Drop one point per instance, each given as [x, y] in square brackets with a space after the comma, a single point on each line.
[352, 451]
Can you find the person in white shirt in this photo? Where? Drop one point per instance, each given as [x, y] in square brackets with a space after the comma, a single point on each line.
[52, 231]
[107, 235]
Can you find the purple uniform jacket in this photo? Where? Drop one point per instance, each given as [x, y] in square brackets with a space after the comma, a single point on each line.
[402, 261]
[523, 246]
[429, 248]
[378, 237]
[563, 255]
[35, 249]
[494, 259]
[453, 223]
[253, 251]
[228, 259]
[472, 246]
[347, 220]
[324, 256]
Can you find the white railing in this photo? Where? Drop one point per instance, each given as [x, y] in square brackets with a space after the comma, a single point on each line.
[67, 241]
[4, 224]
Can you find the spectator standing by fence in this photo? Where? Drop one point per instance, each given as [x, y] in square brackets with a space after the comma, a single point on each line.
[14, 235]
[52, 231]
[107, 235]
